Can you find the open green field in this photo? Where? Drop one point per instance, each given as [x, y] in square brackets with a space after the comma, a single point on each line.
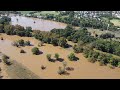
[99, 32]
[116, 22]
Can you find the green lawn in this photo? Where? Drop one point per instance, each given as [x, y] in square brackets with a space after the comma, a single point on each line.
[116, 22]
[97, 31]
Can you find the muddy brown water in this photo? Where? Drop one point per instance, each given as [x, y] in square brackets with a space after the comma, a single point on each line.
[82, 68]
[40, 24]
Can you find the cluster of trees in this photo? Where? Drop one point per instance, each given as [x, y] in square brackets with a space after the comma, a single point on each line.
[8, 12]
[94, 56]
[111, 46]
[5, 27]
[62, 70]
[17, 30]
[51, 38]
[104, 59]
[78, 49]
[21, 42]
[5, 20]
[56, 56]
[74, 35]
[69, 17]
[49, 17]
[35, 51]
[59, 37]
[72, 57]
[107, 35]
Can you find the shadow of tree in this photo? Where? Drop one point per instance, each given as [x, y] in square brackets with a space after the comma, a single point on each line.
[69, 68]
[76, 59]
[1, 77]
[0, 60]
[40, 52]
[52, 60]
[65, 73]
[60, 59]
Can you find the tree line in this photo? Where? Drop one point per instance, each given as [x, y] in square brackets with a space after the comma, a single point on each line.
[5, 27]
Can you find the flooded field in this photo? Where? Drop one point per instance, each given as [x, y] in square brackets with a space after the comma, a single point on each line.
[35, 23]
[82, 68]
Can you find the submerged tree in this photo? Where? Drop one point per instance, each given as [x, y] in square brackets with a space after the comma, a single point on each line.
[35, 51]
[56, 56]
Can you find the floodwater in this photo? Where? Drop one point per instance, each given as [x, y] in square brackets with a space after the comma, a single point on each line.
[36, 23]
[82, 68]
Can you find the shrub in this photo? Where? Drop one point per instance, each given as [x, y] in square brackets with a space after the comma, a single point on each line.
[40, 44]
[107, 35]
[62, 42]
[6, 60]
[1, 38]
[27, 43]
[43, 67]
[92, 59]
[5, 57]
[35, 51]
[56, 56]
[69, 38]
[72, 57]
[61, 71]
[111, 66]
[77, 49]
[21, 42]
[48, 56]
[99, 58]
[86, 52]
[64, 64]
[22, 51]
[54, 42]
[15, 44]
[113, 61]
[101, 63]
[119, 64]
